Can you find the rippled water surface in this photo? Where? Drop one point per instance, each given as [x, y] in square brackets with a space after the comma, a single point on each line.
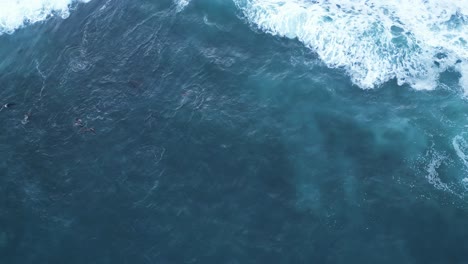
[233, 131]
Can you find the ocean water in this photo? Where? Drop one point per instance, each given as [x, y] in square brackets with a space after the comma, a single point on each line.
[234, 131]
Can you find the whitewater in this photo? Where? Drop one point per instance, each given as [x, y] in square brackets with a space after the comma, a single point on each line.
[18, 13]
[374, 41]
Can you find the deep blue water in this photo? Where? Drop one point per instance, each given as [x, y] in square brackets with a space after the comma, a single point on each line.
[217, 143]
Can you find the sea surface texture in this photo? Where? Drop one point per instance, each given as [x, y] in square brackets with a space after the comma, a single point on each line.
[234, 131]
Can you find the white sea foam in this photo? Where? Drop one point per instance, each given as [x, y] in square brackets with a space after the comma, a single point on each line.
[15, 14]
[375, 41]
[181, 4]
[465, 183]
[463, 70]
[436, 160]
[461, 148]
[460, 145]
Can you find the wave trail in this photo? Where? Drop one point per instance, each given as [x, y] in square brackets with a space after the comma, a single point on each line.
[16, 14]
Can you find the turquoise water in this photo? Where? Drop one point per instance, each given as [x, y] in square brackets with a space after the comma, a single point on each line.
[212, 132]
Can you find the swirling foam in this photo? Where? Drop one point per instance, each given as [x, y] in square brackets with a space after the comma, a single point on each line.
[460, 145]
[181, 4]
[432, 175]
[461, 148]
[412, 41]
[15, 14]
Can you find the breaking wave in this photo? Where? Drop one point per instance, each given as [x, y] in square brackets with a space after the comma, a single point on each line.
[374, 41]
[16, 14]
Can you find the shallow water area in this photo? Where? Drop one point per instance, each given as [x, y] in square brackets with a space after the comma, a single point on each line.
[191, 132]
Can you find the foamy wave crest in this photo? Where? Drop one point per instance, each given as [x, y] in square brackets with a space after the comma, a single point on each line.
[375, 41]
[17, 13]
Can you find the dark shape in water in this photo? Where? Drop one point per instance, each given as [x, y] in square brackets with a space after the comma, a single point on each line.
[8, 105]
[88, 129]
